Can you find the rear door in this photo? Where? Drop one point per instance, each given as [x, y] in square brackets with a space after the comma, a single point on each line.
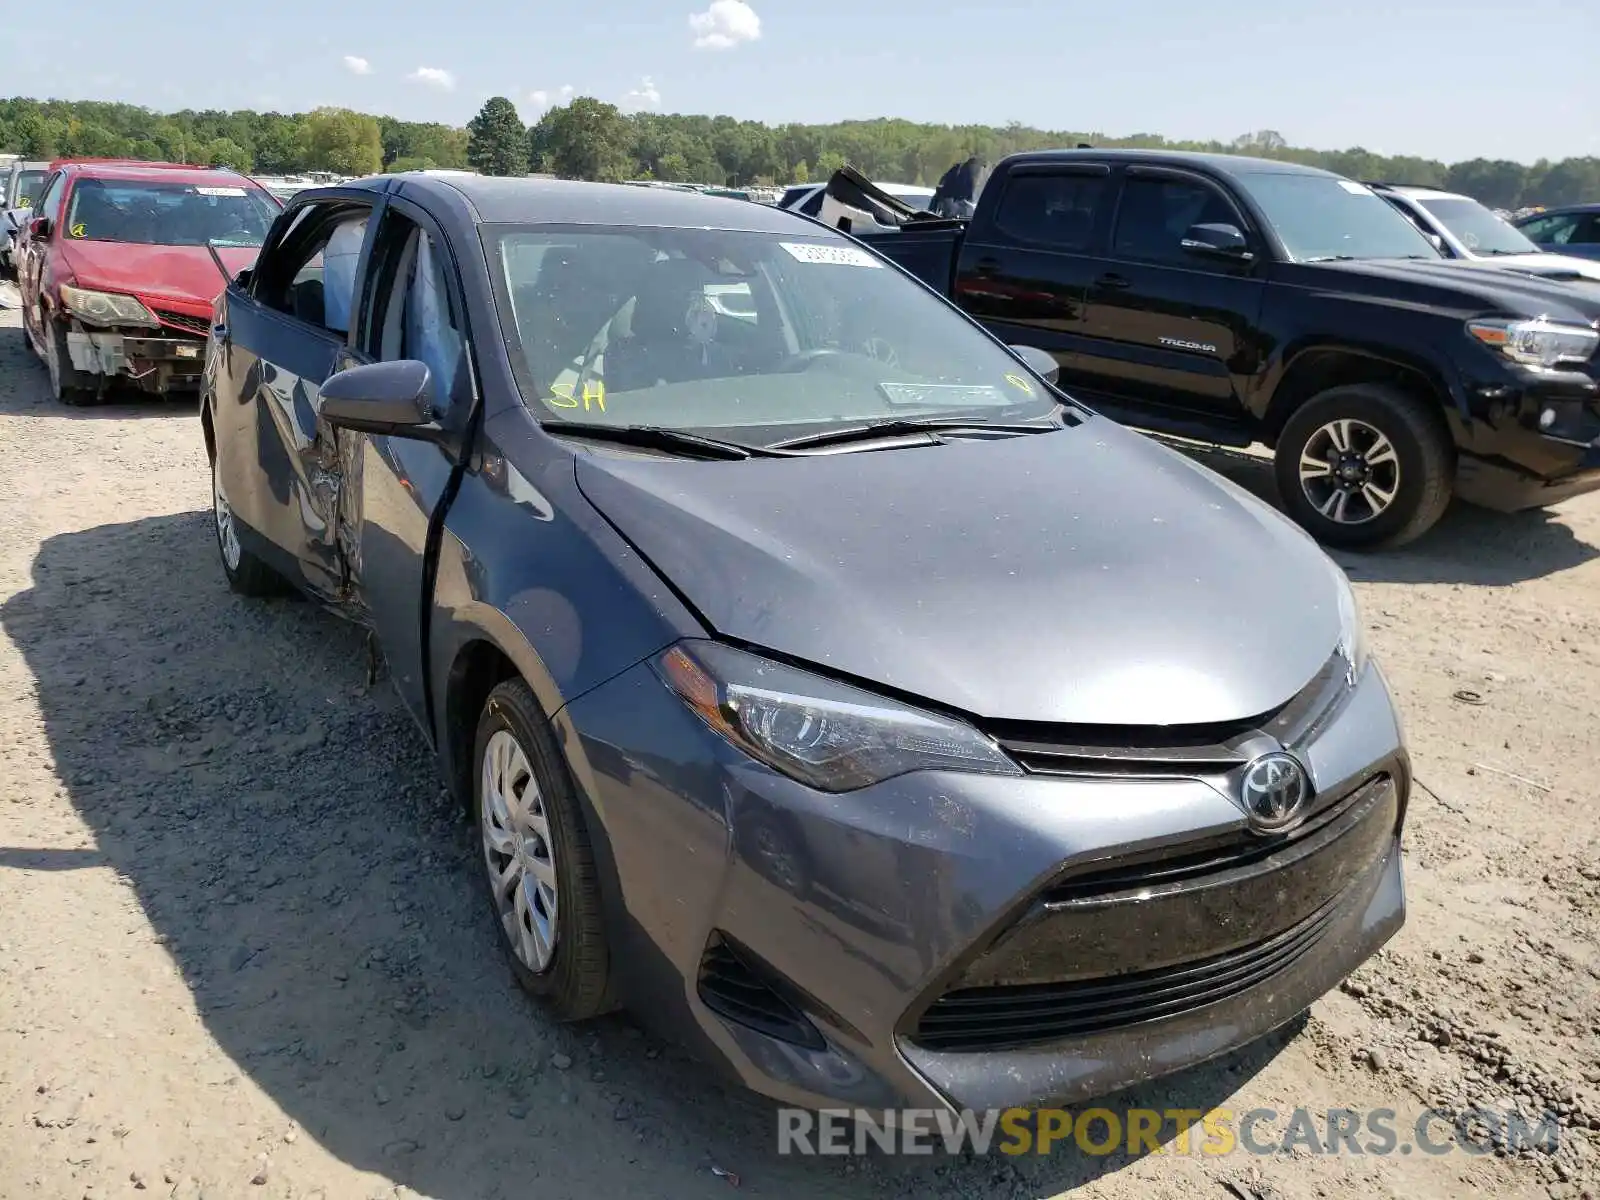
[1172, 329]
[1028, 256]
[397, 489]
[279, 462]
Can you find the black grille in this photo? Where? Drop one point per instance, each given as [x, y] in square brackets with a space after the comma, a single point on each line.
[1000, 1018]
[183, 321]
[1196, 860]
[731, 987]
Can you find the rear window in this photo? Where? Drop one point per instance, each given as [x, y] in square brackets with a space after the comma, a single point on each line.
[168, 214]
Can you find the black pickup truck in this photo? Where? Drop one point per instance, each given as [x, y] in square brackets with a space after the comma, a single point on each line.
[1237, 300]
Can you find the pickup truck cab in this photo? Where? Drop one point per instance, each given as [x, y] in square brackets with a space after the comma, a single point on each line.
[1239, 300]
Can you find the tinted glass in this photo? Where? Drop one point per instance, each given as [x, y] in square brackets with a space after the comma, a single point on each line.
[168, 214]
[1058, 211]
[1320, 217]
[1154, 214]
[715, 330]
[1476, 228]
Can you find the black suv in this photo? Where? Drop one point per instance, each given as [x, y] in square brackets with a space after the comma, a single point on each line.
[1238, 300]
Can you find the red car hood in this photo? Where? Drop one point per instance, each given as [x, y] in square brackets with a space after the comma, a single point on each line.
[181, 277]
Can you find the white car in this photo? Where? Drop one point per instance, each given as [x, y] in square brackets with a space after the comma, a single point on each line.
[1462, 228]
[809, 199]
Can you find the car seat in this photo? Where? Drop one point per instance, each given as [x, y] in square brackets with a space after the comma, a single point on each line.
[660, 346]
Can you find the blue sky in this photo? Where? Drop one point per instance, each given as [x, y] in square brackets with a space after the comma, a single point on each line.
[1447, 80]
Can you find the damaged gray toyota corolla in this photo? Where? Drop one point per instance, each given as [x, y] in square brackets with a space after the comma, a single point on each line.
[824, 685]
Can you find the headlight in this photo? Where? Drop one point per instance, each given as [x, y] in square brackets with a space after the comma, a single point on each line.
[1352, 629]
[827, 735]
[105, 308]
[1537, 343]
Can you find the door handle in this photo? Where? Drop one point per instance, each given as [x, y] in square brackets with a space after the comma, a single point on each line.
[1113, 282]
[986, 266]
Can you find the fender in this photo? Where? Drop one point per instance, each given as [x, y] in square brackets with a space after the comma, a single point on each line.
[1274, 401]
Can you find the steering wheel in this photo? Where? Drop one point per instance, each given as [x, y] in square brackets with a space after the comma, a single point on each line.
[805, 358]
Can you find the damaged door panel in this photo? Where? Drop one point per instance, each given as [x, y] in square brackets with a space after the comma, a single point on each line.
[288, 337]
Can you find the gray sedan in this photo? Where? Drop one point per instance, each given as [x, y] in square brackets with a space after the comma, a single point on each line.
[822, 682]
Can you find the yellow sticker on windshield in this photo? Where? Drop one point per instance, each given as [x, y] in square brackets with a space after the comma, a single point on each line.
[24, 202]
[80, 230]
[1021, 384]
[594, 394]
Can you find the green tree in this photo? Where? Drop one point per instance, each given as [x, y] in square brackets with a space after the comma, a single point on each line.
[36, 137]
[410, 164]
[224, 152]
[341, 141]
[586, 139]
[498, 142]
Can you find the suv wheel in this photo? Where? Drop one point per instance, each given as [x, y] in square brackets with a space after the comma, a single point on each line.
[1365, 466]
[537, 860]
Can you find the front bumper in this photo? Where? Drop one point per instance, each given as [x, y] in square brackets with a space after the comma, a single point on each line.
[1534, 439]
[817, 946]
[151, 360]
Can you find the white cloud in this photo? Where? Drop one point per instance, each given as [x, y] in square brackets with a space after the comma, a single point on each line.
[357, 65]
[542, 98]
[724, 25]
[645, 96]
[433, 77]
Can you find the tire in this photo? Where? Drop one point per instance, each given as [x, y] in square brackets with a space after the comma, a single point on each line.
[1416, 471]
[69, 385]
[246, 573]
[515, 747]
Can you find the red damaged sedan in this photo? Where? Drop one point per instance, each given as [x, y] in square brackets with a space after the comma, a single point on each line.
[121, 267]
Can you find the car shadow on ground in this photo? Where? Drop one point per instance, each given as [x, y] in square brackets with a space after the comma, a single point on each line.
[122, 401]
[287, 837]
[1470, 545]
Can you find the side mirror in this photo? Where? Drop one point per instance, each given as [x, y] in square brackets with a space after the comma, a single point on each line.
[1217, 241]
[1041, 362]
[40, 227]
[390, 398]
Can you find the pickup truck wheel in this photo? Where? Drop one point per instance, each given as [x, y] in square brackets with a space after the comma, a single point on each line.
[538, 862]
[246, 573]
[1365, 466]
[69, 385]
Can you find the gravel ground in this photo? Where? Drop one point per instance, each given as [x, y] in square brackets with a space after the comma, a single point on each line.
[242, 953]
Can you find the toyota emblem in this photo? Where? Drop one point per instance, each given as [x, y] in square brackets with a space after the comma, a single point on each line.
[1274, 792]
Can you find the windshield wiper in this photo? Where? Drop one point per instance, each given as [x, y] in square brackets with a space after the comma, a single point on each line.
[656, 437]
[863, 433]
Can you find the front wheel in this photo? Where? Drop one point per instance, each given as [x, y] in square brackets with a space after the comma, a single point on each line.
[1365, 466]
[538, 863]
[246, 573]
[69, 385]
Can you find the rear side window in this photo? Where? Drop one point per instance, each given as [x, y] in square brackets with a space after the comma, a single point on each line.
[1155, 214]
[1588, 233]
[1055, 211]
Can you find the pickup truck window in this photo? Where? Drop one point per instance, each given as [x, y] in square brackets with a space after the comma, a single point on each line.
[1319, 218]
[1154, 214]
[719, 329]
[1058, 211]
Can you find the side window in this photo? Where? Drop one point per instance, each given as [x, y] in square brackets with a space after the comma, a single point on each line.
[1054, 211]
[416, 313]
[50, 203]
[1587, 233]
[313, 277]
[1155, 214]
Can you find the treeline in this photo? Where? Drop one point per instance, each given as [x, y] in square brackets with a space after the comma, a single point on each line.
[593, 140]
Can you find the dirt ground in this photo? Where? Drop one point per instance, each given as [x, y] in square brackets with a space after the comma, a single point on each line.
[242, 952]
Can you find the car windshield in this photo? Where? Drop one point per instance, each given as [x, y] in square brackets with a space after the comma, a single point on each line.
[28, 183]
[1478, 229]
[1322, 217]
[168, 214]
[712, 330]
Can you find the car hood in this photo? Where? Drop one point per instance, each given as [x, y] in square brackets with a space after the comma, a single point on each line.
[1549, 266]
[184, 275]
[1458, 287]
[1085, 576]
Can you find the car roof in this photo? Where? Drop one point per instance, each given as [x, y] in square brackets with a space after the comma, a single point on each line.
[496, 200]
[143, 173]
[1217, 164]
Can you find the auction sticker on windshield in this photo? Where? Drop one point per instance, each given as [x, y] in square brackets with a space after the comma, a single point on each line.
[943, 395]
[1356, 189]
[840, 256]
[219, 191]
